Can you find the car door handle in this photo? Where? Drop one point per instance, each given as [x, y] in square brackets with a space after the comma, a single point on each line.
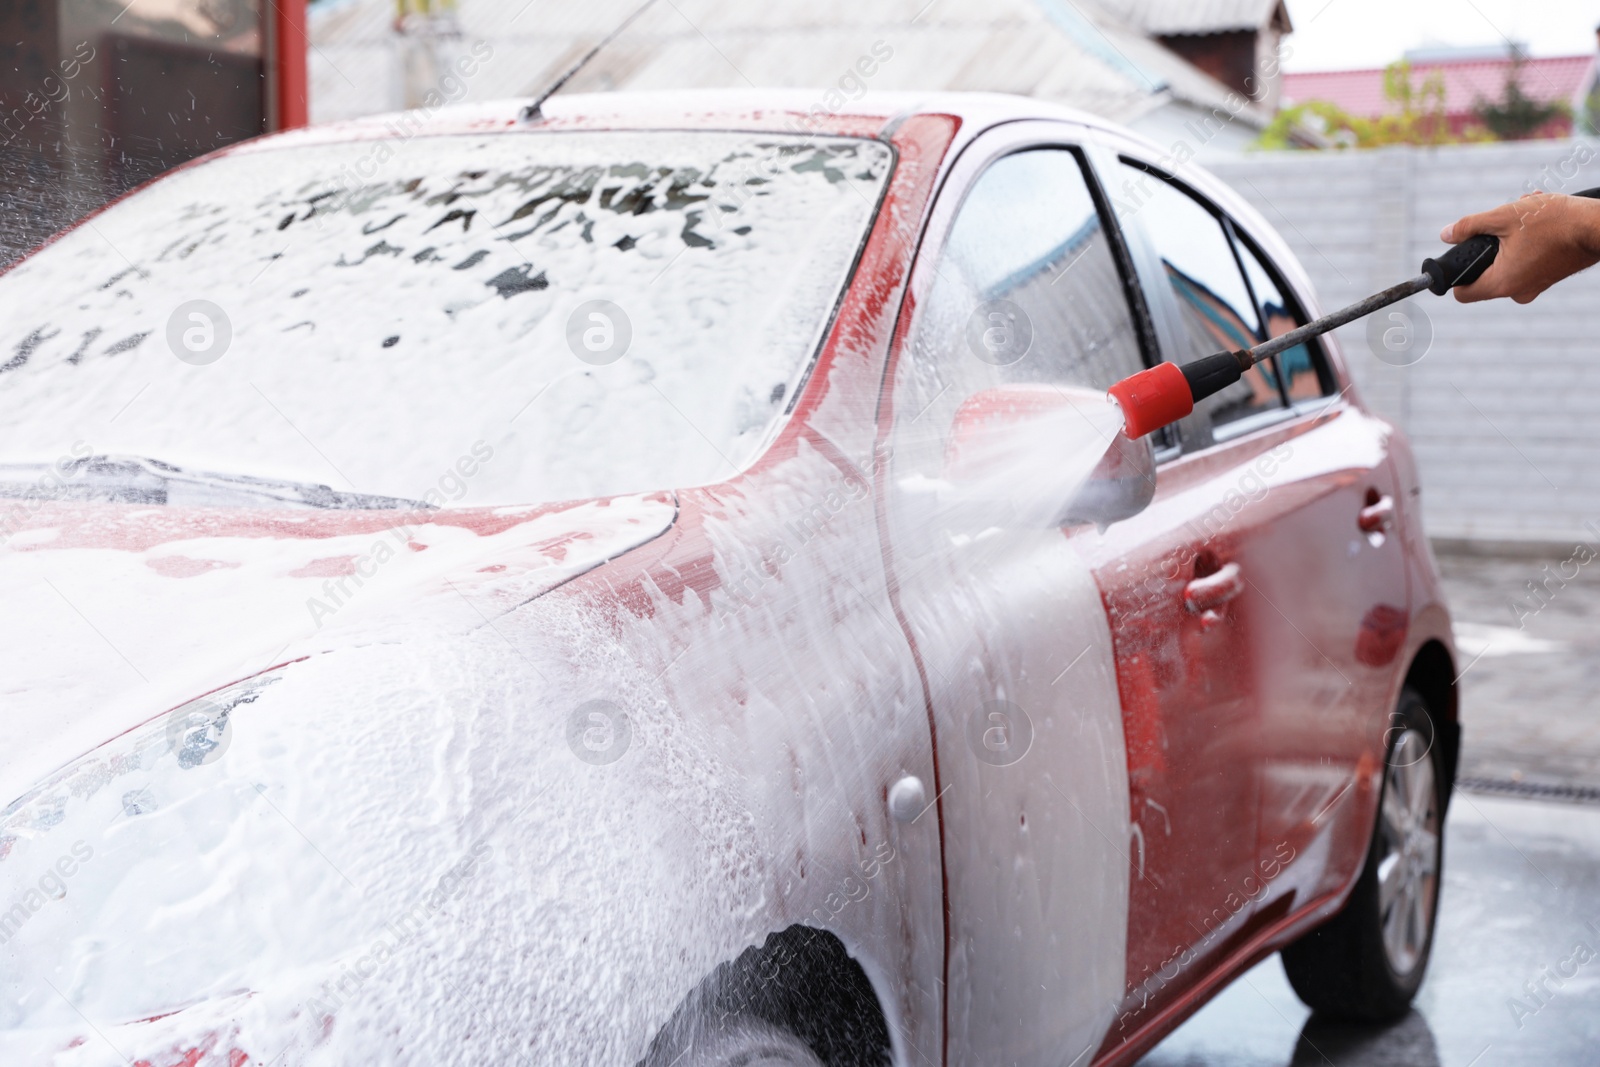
[1378, 517]
[1214, 590]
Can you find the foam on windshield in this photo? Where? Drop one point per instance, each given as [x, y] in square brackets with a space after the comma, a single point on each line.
[380, 306]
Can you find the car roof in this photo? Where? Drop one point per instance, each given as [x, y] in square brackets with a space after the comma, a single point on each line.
[821, 111]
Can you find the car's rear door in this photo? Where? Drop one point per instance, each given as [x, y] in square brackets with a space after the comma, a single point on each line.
[1288, 491]
[1338, 575]
[1020, 296]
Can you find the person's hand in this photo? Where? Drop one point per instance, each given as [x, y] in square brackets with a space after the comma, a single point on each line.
[1544, 237]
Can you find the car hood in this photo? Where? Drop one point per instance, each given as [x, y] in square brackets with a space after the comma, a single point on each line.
[116, 614]
[415, 839]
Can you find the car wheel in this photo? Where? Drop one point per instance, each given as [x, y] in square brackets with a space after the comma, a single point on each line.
[1366, 963]
[745, 1042]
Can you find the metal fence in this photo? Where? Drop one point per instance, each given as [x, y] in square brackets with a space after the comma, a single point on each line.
[1502, 408]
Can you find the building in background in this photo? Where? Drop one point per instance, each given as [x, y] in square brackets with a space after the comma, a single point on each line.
[1234, 41]
[1472, 77]
[97, 96]
[1122, 59]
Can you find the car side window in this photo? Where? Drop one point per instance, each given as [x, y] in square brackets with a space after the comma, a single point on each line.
[1213, 298]
[1304, 373]
[1027, 291]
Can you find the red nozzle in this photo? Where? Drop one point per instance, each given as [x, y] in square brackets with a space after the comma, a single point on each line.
[1153, 398]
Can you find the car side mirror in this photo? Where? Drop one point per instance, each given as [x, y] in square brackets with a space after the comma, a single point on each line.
[1037, 456]
[1120, 487]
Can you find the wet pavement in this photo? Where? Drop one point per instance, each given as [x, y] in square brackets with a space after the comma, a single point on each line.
[1522, 876]
[1531, 667]
[1522, 886]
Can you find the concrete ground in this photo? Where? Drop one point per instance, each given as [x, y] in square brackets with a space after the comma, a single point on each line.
[1522, 885]
[1528, 688]
[1522, 875]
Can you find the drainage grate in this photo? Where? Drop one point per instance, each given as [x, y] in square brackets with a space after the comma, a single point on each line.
[1506, 787]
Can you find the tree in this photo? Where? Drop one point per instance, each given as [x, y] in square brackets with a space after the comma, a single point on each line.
[1517, 116]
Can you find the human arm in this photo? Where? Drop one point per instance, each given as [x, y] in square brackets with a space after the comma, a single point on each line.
[1544, 237]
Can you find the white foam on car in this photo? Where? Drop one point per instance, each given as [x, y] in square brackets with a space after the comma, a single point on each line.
[388, 841]
[128, 612]
[381, 325]
[279, 896]
[400, 857]
[1011, 622]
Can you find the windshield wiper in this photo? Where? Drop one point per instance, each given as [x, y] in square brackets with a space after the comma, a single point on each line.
[137, 480]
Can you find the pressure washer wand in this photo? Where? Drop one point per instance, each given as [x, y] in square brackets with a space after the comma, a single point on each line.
[1166, 393]
[1362, 308]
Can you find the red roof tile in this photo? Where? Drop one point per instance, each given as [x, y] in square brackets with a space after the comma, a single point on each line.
[1360, 92]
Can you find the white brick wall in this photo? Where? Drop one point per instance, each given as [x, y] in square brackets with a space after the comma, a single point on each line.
[1504, 411]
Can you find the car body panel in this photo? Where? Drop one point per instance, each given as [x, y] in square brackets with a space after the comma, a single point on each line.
[779, 665]
[1190, 716]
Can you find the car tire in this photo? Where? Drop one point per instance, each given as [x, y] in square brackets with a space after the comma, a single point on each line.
[746, 1042]
[1367, 962]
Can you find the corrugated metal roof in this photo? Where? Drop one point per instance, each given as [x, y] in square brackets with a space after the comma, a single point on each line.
[1065, 51]
[1200, 16]
[1360, 92]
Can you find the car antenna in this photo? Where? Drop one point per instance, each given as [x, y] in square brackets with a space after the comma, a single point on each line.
[532, 112]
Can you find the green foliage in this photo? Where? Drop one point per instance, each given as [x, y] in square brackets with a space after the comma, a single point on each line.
[1420, 117]
[1420, 120]
[1517, 116]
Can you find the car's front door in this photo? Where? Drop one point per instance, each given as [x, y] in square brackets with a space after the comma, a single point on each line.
[1018, 317]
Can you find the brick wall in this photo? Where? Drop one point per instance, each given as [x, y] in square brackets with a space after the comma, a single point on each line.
[1504, 409]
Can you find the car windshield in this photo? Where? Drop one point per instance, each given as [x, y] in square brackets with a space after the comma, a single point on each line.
[508, 318]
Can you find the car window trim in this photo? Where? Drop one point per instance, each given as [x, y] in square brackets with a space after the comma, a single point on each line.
[1319, 360]
[1332, 388]
[1028, 135]
[1169, 442]
[1232, 231]
[804, 377]
[1197, 431]
[1189, 434]
[974, 160]
[1248, 424]
[1223, 430]
[1132, 290]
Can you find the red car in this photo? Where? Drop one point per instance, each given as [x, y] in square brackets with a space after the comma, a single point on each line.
[659, 581]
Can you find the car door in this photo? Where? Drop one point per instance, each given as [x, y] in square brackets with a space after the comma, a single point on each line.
[1335, 570]
[1184, 630]
[1019, 306]
[1277, 582]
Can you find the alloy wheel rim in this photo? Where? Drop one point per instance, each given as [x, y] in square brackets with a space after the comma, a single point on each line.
[1408, 873]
